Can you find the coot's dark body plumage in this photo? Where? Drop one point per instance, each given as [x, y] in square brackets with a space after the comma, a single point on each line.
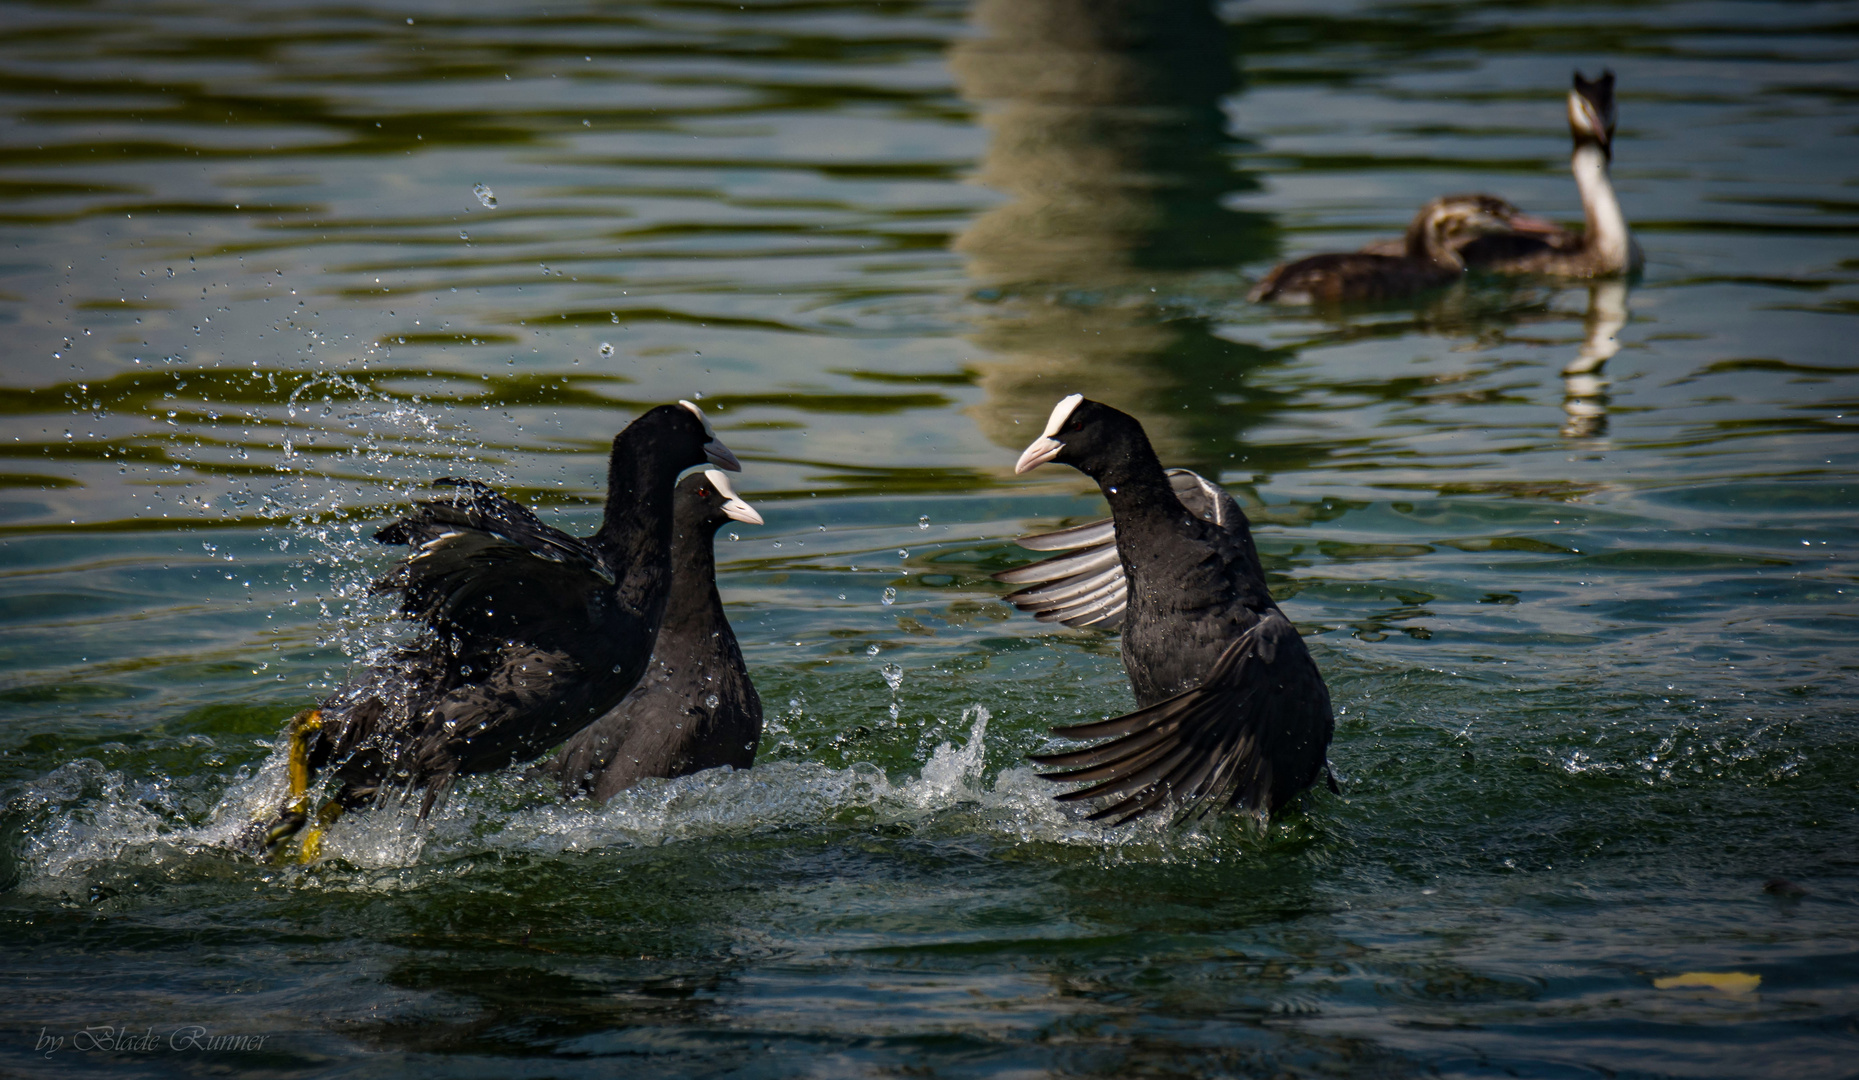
[529, 633]
[695, 708]
[1233, 706]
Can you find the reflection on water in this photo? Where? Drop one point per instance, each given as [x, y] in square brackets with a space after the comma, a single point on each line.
[1106, 127]
[1584, 391]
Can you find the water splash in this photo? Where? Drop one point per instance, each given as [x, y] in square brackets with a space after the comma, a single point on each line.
[894, 678]
[84, 821]
[389, 438]
[949, 771]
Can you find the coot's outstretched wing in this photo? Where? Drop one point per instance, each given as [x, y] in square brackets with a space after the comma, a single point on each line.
[483, 564]
[1263, 701]
[1086, 587]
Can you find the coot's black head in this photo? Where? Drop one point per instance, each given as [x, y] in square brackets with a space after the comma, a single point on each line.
[706, 500]
[1591, 111]
[674, 438]
[1087, 435]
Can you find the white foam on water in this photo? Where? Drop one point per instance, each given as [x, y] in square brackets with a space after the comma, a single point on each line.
[83, 818]
[97, 819]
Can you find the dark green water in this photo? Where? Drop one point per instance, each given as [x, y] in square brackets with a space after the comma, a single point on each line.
[1592, 639]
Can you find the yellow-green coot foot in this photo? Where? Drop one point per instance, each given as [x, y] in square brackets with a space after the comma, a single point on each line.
[529, 633]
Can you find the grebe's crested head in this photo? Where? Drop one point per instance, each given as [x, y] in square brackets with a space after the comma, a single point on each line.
[1591, 111]
[1450, 222]
[1457, 219]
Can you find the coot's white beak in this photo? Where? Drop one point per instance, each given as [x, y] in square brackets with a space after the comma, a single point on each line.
[733, 506]
[1044, 449]
[1047, 446]
[714, 451]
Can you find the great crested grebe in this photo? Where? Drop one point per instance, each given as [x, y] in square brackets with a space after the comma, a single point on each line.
[1605, 247]
[1429, 256]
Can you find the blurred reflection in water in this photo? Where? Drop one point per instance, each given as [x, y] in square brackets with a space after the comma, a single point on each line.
[1106, 127]
[1584, 390]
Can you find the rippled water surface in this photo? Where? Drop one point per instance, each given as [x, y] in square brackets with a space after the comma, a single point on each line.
[1576, 561]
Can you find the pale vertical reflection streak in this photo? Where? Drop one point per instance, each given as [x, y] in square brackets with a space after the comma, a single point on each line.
[1584, 390]
[1105, 126]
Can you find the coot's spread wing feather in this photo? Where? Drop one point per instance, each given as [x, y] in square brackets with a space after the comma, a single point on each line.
[482, 507]
[1204, 498]
[1210, 743]
[483, 554]
[1089, 535]
[1085, 586]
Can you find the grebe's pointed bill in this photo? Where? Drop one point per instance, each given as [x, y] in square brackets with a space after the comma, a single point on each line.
[1047, 446]
[1532, 226]
[733, 506]
[714, 450]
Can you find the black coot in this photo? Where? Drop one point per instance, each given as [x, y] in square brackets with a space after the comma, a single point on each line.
[530, 633]
[1233, 706]
[695, 708]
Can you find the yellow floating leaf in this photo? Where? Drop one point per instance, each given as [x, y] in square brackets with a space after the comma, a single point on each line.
[1730, 982]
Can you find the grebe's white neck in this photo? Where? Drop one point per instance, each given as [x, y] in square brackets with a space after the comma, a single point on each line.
[1607, 235]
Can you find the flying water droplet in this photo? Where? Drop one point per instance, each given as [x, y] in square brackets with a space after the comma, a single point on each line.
[890, 597]
[923, 522]
[871, 650]
[903, 553]
[606, 348]
[485, 195]
[710, 701]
